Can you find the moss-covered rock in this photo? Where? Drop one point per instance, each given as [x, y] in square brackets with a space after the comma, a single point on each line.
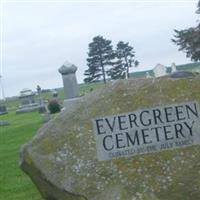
[62, 161]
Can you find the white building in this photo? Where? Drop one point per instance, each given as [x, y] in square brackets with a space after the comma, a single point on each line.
[173, 67]
[159, 70]
[148, 75]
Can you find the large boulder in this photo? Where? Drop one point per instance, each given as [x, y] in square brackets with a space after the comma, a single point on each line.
[62, 158]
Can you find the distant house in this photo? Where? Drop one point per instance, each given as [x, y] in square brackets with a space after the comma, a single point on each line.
[159, 70]
[173, 68]
[148, 75]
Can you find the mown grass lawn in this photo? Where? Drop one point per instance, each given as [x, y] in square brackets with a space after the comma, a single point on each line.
[14, 184]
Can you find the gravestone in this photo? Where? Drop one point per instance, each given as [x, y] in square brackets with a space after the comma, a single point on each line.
[28, 104]
[54, 93]
[42, 107]
[4, 123]
[133, 140]
[3, 110]
[71, 88]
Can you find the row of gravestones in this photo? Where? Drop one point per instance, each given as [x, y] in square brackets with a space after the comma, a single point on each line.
[28, 103]
[71, 91]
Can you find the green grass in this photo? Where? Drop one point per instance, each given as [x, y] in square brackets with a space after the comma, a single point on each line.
[14, 184]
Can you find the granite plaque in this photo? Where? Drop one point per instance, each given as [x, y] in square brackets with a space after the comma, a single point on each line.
[147, 130]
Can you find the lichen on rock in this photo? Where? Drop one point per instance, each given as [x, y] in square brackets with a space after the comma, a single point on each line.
[62, 160]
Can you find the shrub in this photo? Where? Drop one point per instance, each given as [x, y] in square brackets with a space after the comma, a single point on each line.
[54, 106]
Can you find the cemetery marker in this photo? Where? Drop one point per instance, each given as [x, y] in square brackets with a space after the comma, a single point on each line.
[147, 130]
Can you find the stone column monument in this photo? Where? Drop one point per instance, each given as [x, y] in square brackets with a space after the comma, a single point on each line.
[71, 88]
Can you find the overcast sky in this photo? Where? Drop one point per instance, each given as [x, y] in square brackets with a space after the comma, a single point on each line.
[39, 37]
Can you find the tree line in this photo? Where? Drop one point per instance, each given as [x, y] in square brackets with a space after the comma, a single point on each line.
[105, 62]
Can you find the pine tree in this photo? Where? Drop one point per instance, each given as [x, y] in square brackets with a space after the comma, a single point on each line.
[88, 76]
[188, 40]
[99, 59]
[117, 71]
[125, 58]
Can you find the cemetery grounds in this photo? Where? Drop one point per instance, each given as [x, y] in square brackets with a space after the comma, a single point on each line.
[14, 183]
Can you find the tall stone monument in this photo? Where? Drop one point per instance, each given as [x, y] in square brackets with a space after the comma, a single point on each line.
[71, 88]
